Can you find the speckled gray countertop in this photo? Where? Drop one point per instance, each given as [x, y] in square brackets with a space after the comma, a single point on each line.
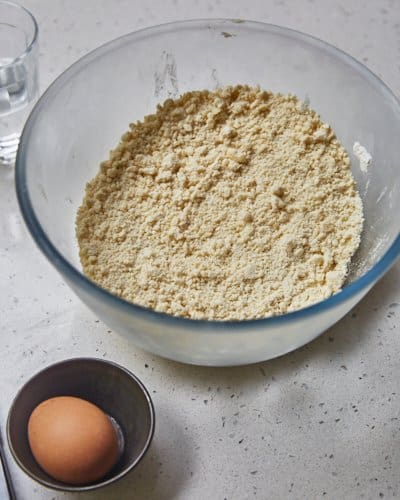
[323, 422]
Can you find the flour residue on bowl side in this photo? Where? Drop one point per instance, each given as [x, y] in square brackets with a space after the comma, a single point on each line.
[363, 156]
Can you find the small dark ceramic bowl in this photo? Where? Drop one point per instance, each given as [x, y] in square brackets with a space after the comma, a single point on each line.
[109, 386]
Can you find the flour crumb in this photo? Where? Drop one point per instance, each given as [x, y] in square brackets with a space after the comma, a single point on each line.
[230, 204]
[362, 155]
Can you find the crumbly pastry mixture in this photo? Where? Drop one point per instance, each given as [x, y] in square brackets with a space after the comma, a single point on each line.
[229, 204]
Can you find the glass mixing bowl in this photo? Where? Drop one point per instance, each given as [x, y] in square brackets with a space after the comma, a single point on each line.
[86, 110]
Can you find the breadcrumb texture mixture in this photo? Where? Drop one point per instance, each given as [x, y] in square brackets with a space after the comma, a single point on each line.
[229, 205]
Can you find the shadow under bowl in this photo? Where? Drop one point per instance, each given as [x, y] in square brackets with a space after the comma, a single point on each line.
[111, 387]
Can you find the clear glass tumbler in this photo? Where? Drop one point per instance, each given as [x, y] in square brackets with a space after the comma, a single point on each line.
[18, 75]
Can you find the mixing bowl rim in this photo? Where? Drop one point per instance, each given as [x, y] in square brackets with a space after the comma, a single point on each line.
[74, 275]
[101, 483]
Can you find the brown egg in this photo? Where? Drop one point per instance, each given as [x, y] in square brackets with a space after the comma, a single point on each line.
[72, 440]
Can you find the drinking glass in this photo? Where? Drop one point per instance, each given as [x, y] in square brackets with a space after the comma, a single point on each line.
[18, 75]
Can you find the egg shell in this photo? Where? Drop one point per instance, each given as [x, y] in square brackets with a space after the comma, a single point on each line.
[72, 440]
